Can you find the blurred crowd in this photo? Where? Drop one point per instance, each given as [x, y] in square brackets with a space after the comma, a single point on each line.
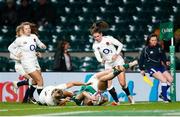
[13, 12]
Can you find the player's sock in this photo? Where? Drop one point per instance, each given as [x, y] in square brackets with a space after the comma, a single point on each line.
[126, 90]
[31, 90]
[116, 71]
[131, 64]
[25, 99]
[113, 93]
[164, 91]
[168, 86]
[39, 89]
[77, 101]
[21, 83]
[126, 66]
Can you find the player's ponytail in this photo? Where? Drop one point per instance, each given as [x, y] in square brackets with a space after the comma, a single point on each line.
[99, 27]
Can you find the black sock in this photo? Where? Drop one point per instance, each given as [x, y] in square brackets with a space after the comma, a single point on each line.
[25, 99]
[126, 90]
[114, 94]
[168, 86]
[116, 72]
[21, 83]
[39, 91]
[31, 91]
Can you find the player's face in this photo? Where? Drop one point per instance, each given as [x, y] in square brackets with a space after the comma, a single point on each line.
[21, 32]
[153, 41]
[66, 46]
[97, 36]
[27, 29]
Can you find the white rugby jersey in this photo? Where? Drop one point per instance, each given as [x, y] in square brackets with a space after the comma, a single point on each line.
[46, 94]
[105, 49]
[27, 45]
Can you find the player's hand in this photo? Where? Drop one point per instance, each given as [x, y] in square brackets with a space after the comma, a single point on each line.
[43, 46]
[103, 62]
[142, 72]
[114, 57]
[38, 54]
[67, 99]
[168, 63]
[19, 55]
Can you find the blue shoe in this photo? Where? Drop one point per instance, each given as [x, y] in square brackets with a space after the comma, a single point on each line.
[165, 100]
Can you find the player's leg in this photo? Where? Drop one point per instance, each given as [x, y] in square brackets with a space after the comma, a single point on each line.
[38, 84]
[82, 98]
[169, 79]
[112, 91]
[109, 74]
[24, 82]
[30, 93]
[35, 75]
[26, 96]
[122, 82]
[19, 69]
[158, 75]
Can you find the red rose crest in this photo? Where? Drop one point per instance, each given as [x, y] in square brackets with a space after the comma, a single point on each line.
[107, 43]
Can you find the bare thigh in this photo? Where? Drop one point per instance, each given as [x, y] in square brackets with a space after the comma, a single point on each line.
[168, 76]
[37, 77]
[103, 73]
[122, 79]
[158, 75]
[102, 85]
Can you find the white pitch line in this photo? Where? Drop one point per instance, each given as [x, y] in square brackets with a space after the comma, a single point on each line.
[66, 113]
[45, 107]
[176, 112]
[3, 110]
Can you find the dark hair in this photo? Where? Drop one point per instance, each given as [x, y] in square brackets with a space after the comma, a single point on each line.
[61, 45]
[99, 27]
[149, 37]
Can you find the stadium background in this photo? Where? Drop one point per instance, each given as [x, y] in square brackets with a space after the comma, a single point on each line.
[131, 21]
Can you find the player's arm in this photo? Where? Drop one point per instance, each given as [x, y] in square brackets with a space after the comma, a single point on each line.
[62, 102]
[39, 43]
[97, 54]
[39, 54]
[141, 62]
[71, 84]
[118, 44]
[13, 47]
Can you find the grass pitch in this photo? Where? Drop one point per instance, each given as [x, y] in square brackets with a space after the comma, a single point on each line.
[125, 109]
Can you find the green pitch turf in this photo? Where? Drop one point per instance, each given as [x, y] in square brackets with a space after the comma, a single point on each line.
[125, 109]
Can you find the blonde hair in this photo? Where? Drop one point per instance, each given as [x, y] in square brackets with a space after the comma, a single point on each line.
[57, 94]
[34, 29]
[18, 30]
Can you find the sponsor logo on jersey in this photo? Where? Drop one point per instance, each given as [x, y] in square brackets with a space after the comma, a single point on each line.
[107, 51]
[32, 47]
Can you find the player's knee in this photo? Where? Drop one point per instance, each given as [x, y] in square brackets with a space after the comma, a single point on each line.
[163, 80]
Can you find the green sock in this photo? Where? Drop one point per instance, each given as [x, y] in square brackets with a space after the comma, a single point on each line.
[126, 66]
